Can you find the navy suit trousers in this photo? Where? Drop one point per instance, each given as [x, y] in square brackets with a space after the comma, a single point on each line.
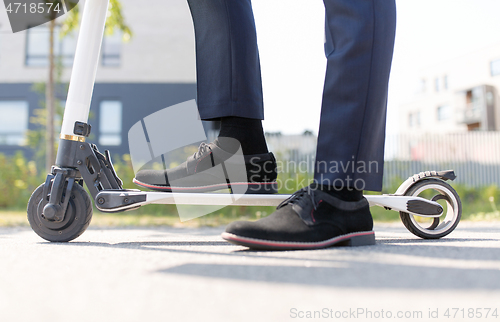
[359, 45]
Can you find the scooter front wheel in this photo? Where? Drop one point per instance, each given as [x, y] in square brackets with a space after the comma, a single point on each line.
[76, 219]
[432, 228]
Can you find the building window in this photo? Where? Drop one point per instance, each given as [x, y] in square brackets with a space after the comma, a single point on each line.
[110, 123]
[422, 86]
[443, 112]
[445, 82]
[37, 47]
[414, 119]
[495, 67]
[111, 49]
[436, 84]
[13, 122]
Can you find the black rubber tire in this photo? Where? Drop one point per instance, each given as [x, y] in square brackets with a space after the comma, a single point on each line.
[76, 220]
[426, 233]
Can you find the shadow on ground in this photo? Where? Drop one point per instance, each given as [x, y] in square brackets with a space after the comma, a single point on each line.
[391, 264]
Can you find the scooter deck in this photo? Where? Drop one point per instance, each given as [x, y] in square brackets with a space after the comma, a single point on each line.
[119, 200]
[210, 199]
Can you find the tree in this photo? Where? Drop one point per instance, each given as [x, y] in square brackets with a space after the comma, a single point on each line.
[114, 21]
[50, 102]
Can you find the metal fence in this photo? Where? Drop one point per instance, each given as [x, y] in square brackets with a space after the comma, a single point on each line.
[475, 156]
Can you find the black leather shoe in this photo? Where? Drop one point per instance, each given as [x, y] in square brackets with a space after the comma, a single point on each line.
[309, 219]
[212, 169]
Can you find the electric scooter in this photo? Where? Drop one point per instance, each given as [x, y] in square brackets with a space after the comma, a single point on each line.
[60, 209]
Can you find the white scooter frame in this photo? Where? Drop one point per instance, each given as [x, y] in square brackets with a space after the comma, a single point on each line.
[57, 217]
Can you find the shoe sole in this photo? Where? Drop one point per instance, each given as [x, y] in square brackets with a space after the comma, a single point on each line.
[253, 188]
[352, 239]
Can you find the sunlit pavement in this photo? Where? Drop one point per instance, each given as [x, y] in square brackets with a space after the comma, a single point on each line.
[171, 274]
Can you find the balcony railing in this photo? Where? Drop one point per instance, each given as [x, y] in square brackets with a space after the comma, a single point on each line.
[471, 113]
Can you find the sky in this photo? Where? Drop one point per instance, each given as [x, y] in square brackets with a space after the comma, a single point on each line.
[291, 42]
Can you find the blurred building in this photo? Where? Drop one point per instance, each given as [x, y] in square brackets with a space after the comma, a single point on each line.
[458, 95]
[154, 70]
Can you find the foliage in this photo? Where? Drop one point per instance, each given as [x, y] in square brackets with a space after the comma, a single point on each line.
[36, 137]
[19, 178]
[114, 21]
[475, 201]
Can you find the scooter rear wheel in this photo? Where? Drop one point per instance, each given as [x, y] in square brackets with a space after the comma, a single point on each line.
[434, 228]
[76, 219]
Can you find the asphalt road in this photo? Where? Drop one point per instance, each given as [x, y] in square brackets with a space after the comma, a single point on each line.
[172, 274]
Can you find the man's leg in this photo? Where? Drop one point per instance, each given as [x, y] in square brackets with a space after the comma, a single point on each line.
[359, 45]
[360, 40]
[227, 59]
[230, 90]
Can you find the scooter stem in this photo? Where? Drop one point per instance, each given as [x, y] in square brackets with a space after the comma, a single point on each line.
[82, 80]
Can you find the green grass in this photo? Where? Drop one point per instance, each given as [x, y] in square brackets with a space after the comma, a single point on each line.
[13, 218]
[485, 216]
[19, 177]
[16, 218]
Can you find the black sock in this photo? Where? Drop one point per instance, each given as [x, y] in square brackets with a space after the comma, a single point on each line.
[248, 132]
[345, 194]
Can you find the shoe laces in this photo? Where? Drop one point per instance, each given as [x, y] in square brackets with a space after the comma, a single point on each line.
[301, 198]
[202, 149]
